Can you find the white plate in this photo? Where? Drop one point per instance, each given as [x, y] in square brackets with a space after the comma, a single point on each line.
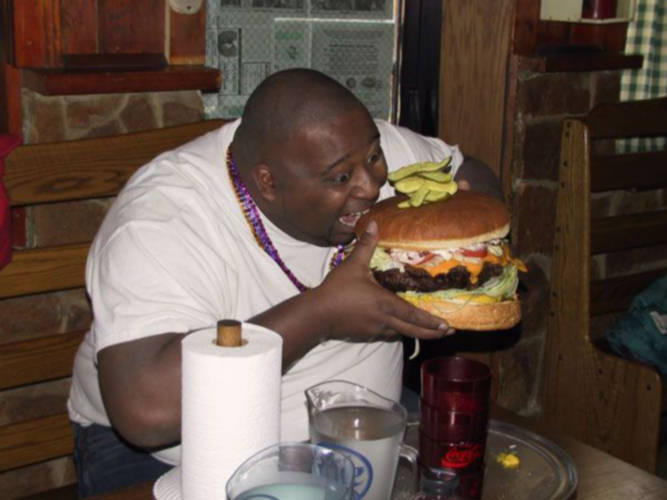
[168, 485]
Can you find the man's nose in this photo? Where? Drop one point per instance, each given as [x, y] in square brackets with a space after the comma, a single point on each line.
[367, 185]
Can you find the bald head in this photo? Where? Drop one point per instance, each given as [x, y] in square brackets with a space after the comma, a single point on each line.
[283, 103]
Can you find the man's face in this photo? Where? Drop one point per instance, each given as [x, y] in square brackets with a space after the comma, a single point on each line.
[326, 177]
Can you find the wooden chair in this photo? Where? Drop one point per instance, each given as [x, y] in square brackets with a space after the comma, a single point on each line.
[47, 173]
[611, 403]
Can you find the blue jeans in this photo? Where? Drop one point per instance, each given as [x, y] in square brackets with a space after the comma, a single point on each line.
[105, 462]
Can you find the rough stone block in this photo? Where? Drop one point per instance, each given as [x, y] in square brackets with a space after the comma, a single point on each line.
[549, 94]
[602, 203]
[19, 483]
[33, 401]
[534, 294]
[519, 373]
[643, 259]
[70, 222]
[86, 112]
[76, 310]
[606, 86]
[113, 127]
[179, 107]
[541, 150]
[534, 219]
[138, 114]
[639, 201]
[38, 315]
[28, 317]
[43, 118]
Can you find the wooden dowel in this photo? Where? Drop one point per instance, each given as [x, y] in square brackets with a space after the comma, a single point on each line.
[229, 333]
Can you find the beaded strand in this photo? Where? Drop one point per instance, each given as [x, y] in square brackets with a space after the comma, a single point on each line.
[251, 214]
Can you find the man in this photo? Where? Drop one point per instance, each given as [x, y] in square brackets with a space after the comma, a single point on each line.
[246, 222]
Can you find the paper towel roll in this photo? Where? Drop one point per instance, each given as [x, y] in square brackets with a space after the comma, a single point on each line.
[230, 406]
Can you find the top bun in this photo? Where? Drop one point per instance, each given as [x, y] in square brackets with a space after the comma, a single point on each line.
[463, 219]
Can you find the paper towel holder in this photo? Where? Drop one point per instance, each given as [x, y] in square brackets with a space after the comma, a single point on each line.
[229, 333]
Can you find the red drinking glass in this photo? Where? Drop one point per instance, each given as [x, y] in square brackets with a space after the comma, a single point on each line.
[455, 383]
[453, 426]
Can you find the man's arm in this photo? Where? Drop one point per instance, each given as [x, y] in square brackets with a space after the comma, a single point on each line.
[477, 176]
[140, 380]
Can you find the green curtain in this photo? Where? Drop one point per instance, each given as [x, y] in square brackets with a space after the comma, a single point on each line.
[647, 35]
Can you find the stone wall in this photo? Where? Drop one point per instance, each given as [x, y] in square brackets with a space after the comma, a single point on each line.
[55, 118]
[543, 100]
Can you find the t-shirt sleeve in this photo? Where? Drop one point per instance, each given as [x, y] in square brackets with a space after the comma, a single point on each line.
[147, 280]
[402, 147]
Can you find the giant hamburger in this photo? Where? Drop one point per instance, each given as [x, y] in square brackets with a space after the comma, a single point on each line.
[450, 258]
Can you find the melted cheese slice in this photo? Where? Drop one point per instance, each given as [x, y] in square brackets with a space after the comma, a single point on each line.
[474, 266]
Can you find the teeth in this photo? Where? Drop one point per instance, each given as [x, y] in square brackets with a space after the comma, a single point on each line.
[352, 218]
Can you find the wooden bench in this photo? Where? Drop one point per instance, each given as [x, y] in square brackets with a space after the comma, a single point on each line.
[48, 173]
[611, 403]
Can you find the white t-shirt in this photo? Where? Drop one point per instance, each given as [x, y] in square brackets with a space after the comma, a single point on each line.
[175, 254]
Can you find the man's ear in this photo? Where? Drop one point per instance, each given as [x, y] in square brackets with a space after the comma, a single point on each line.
[264, 180]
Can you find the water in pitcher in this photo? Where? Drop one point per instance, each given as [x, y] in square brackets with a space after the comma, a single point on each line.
[295, 486]
[371, 437]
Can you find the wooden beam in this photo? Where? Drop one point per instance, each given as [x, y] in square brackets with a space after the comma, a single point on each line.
[44, 269]
[34, 441]
[38, 360]
[187, 37]
[54, 82]
[65, 171]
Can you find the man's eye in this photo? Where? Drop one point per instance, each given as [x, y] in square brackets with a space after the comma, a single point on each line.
[374, 158]
[340, 178]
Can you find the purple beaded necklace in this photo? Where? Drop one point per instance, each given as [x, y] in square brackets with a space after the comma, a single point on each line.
[251, 215]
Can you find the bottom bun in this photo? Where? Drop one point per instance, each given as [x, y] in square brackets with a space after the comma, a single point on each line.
[471, 315]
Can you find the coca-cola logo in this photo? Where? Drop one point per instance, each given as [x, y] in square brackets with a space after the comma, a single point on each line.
[461, 455]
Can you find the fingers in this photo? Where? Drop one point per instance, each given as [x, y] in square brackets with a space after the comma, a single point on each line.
[365, 246]
[412, 321]
[412, 330]
[464, 185]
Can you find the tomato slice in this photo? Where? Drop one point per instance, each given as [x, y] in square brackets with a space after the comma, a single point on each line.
[480, 253]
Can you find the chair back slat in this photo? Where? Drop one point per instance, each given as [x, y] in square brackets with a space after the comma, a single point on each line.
[88, 168]
[625, 232]
[609, 172]
[614, 295]
[45, 269]
[628, 119]
[34, 441]
[38, 360]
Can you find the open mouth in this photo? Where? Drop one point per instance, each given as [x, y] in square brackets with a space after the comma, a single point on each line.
[350, 219]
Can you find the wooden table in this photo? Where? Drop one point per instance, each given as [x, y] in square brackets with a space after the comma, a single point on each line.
[601, 476]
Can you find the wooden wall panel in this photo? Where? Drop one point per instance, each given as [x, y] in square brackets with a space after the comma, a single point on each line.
[10, 100]
[187, 37]
[474, 59]
[79, 27]
[36, 33]
[526, 27]
[132, 26]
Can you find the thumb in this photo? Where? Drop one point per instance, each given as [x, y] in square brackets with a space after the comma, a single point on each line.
[365, 245]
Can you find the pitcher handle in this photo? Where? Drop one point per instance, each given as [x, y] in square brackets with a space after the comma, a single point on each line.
[410, 455]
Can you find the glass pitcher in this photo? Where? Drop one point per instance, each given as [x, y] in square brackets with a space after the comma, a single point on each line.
[365, 426]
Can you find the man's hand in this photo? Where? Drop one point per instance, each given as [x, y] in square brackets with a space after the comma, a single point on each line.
[356, 307]
[473, 175]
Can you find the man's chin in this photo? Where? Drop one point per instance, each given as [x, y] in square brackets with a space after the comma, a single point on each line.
[342, 237]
